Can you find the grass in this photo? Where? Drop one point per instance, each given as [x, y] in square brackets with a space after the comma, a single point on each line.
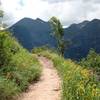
[78, 83]
[18, 67]
[92, 61]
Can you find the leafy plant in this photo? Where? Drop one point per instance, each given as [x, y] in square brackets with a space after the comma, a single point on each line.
[92, 61]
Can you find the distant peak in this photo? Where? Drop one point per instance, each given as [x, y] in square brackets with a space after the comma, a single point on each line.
[40, 20]
[30, 19]
[86, 21]
[26, 18]
[83, 24]
[95, 20]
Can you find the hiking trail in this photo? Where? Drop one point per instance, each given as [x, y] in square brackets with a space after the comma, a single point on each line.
[49, 85]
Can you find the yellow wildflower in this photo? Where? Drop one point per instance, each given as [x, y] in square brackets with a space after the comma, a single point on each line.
[94, 92]
[85, 73]
[81, 89]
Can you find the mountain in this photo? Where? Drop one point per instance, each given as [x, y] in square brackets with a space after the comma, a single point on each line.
[84, 36]
[33, 33]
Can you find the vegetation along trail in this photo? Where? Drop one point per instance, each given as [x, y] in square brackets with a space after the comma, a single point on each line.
[48, 88]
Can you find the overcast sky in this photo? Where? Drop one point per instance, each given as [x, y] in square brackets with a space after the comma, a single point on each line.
[68, 11]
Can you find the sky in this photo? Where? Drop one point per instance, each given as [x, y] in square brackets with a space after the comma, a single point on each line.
[68, 11]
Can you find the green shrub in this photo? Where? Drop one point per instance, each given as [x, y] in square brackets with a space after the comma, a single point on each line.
[92, 61]
[17, 67]
[5, 53]
[8, 89]
[43, 48]
[8, 46]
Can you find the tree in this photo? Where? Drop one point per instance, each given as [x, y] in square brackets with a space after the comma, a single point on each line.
[58, 32]
[1, 19]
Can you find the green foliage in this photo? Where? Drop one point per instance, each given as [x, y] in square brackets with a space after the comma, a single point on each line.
[37, 50]
[5, 53]
[58, 32]
[78, 83]
[17, 67]
[92, 61]
[8, 47]
[8, 89]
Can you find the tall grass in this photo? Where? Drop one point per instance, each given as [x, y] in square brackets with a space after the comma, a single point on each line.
[17, 67]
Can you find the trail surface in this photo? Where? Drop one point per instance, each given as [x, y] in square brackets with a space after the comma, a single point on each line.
[48, 87]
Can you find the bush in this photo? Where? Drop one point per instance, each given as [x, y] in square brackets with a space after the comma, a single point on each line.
[7, 48]
[92, 61]
[17, 67]
[43, 48]
[5, 53]
[8, 89]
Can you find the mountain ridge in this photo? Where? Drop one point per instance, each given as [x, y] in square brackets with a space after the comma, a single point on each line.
[34, 33]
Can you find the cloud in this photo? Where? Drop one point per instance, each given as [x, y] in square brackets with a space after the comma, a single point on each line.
[68, 11]
[73, 11]
[55, 1]
[23, 8]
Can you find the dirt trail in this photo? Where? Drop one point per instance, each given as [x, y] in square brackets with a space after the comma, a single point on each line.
[48, 88]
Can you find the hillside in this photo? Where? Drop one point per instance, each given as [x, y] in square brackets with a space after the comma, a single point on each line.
[17, 67]
[33, 33]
